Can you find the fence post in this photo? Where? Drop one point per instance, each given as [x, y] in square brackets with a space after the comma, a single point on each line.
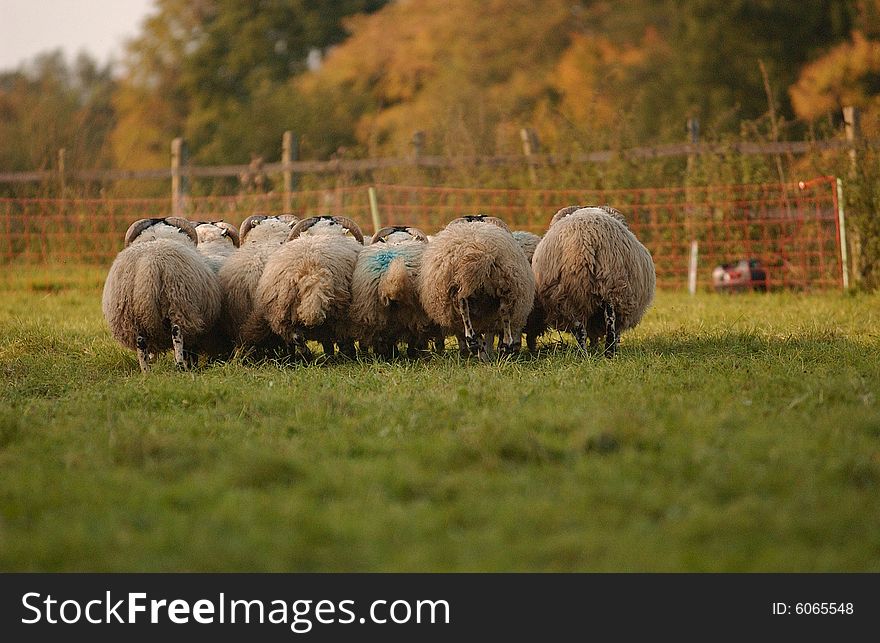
[62, 179]
[841, 226]
[690, 212]
[418, 144]
[289, 153]
[179, 187]
[374, 209]
[530, 146]
[853, 131]
[692, 269]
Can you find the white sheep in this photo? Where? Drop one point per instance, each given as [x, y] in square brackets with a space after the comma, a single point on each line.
[160, 292]
[260, 236]
[218, 240]
[593, 276]
[475, 279]
[535, 326]
[385, 306]
[305, 290]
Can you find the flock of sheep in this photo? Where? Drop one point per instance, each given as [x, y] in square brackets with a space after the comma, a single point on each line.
[277, 283]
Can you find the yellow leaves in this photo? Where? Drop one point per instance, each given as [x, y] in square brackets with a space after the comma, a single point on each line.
[846, 75]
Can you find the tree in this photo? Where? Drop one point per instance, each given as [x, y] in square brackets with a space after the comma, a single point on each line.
[49, 104]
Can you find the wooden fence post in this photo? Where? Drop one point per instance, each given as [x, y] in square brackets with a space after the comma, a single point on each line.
[853, 131]
[418, 144]
[289, 153]
[530, 146]
[62, 178]
[179, 186]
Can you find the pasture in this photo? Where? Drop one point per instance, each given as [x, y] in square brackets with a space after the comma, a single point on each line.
[732, 433]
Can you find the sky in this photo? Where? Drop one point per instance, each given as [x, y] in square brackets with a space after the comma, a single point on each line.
[100, 27]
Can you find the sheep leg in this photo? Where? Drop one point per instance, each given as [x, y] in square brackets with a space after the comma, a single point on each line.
[177, 342]
[612, 338]
[301, 348]
[508, 346]
[329, 348]
[143, 355]
[347, 349]
[439, 343]
[415, 346]
[579, 331]
[462, 346]
[476, 343]
[531, 342]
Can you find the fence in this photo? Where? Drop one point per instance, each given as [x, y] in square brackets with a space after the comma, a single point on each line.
[793, 229]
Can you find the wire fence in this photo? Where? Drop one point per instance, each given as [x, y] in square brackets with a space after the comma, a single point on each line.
[793, 230]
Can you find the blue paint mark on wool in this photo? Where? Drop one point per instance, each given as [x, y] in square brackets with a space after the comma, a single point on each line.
[380, 261]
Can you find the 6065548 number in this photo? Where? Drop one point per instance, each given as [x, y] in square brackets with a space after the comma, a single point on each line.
[823, 608]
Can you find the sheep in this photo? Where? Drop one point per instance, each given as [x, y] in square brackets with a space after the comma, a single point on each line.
[593, 276]
[385, 304]
[305, 290]
[218, 240]
[534, 327]
[260, 236]
[475, 276]
[160, 292]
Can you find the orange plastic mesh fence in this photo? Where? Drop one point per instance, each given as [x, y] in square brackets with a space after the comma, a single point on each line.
[792, 229]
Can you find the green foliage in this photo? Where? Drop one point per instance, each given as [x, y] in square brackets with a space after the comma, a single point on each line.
[732, 433]
[52, 104]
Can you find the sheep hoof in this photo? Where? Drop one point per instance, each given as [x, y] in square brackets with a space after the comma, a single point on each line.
[347, 349]
[612, 338]
[143, 355]
[505, 350]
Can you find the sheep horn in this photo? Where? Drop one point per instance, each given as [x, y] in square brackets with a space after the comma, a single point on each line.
[614, 212]
[389, 230]
[352, 227]
[417, 234]
[481, 218]
[231, 232]
[136, 228]
[248, 224]
[302, 226]
[287, 217]
[185, 226]
[564, 212]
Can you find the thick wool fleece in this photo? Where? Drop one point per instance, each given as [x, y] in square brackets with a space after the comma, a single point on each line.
[587, 259]
[241, 273]
[306, 288]
[215, 246]
[482, 263]
[535, 324]
[159, 280]
[384, 291]
[268, 232]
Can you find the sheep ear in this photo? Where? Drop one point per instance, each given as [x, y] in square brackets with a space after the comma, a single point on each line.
[352, 227]
[185, 226]
[248, 224]
[301, 227]
[136, 228]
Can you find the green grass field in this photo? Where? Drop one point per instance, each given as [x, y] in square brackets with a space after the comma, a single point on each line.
[733, 433]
